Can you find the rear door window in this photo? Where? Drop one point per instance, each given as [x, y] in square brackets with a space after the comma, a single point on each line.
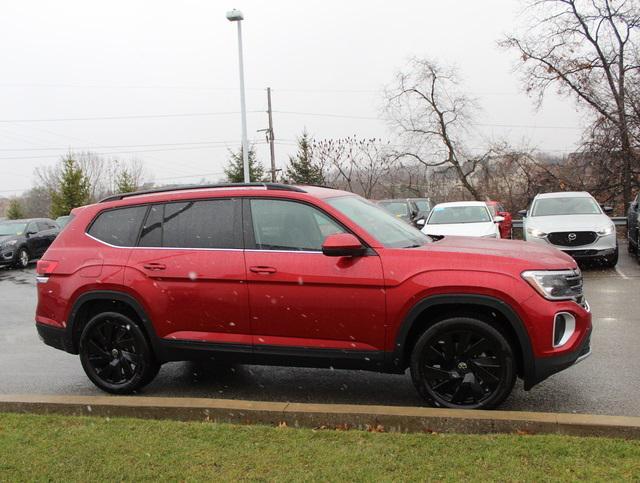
[118, 227]
[193, 224]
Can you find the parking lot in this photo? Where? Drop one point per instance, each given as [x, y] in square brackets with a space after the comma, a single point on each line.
[605, 383]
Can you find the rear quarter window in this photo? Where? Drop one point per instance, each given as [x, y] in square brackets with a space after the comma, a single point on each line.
[118, 227]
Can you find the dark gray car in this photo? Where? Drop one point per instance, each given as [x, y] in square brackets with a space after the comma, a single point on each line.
[22, 241]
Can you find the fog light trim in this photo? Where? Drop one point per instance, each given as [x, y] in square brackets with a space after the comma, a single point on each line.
[569, 328]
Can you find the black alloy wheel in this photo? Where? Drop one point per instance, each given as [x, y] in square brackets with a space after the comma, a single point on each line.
[115, 354]
[463, 363]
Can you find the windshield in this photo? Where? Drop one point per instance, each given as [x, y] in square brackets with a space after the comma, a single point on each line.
[389, 231]
[583, 205]
[442, 215]
[398, 208]
[12, 229]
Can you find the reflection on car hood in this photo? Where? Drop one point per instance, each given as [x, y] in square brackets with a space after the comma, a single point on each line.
[535, 255]
[461, 229]
[549, 224]
[4, 238]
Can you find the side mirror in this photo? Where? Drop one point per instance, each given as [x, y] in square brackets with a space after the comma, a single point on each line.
[522, 213]
[421, 222]
[30, 233]
[607, 209]
[342, 245]
[498, 219]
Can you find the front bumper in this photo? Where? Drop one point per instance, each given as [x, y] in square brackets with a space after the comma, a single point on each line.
[603, 246]
[7, 256]
[547, 366]
[587, 254]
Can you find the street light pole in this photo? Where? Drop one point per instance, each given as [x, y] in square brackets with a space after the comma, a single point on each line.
[236, 16]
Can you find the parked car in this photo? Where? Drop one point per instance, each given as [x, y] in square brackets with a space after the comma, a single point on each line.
[305, 276]
[24, 240]
[412, 210]
[575, 223]
[462, 218]
[633, 227]
[62, 221]
[506, 226]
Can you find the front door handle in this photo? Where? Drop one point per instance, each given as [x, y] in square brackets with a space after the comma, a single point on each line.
[154, 266]
[262, 269]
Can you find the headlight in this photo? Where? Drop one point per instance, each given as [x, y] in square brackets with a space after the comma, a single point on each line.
[607, 230]
[8, 244]
[556, 284]
[534, 232]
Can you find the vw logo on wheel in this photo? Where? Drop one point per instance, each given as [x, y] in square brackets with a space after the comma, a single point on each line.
[572, 236]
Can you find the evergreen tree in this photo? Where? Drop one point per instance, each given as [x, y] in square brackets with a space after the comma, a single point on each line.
[235, 167]
[125, 182]
[302, 169]
[14, 210]
[73, 191]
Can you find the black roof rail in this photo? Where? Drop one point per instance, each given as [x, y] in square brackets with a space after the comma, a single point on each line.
[268, 186]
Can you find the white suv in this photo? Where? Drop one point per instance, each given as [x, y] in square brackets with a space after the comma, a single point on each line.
[575, 223]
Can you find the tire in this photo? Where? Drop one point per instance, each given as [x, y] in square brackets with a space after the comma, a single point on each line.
[22, 258]
[116, 355]
[463, 363]
[612, 260]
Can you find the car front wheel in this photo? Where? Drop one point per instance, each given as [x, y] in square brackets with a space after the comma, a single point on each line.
[463, 363]
[612, 260]
[115, 354]
[22, 258]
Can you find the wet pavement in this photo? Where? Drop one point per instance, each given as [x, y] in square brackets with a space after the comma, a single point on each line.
[608, 382]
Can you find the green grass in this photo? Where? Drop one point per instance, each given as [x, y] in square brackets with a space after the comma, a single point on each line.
[98, 449]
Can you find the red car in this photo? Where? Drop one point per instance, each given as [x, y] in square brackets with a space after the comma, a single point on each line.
[304, 276]
[505, 226]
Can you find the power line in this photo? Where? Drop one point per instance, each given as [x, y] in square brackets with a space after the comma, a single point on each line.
[124, 152]
[349, 116]
[113, 146]
[134, 116]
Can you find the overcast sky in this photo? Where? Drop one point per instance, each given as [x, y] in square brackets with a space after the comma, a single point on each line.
[326, 62]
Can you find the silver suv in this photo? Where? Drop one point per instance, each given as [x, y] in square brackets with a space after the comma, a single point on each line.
[575, 223]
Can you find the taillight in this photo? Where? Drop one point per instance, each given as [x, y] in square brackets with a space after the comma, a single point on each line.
[46, 267]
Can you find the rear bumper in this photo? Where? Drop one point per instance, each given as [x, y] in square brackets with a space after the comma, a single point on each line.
[547, 366]
[54, 337]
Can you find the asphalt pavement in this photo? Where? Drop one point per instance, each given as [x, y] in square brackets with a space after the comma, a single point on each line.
[608, 382]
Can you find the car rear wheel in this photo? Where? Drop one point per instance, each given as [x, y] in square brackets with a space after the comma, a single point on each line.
[463, 363]
[22, 258]
[116, 355]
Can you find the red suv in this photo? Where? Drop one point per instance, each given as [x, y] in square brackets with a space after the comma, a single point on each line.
[304, 276]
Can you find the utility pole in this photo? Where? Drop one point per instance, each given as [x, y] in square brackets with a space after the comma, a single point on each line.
[270, 137]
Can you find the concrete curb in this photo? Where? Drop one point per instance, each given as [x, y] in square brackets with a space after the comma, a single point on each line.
[391, 418]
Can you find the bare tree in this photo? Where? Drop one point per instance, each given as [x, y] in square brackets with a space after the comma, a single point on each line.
[432, 116]
[358, 165]
[588, 49]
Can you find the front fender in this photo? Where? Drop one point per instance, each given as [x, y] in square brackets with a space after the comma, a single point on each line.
[396, 358]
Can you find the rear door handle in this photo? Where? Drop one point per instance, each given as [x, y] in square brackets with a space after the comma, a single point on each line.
[262, 269]
[154, 266]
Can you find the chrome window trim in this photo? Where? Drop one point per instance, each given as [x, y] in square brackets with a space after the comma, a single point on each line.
[317, 252]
